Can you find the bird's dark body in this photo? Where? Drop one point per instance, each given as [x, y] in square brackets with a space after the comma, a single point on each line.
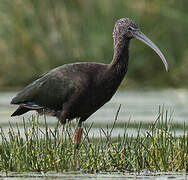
[79, 89]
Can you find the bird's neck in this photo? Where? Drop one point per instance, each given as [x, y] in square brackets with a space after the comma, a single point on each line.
[117, 68]
[120, 60]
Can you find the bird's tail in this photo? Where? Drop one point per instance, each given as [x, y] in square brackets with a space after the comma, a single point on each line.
[20, 110]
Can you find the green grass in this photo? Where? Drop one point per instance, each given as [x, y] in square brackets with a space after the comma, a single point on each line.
[38, 150]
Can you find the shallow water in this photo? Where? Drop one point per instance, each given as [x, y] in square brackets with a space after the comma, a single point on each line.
[80, 176]
[137, 106]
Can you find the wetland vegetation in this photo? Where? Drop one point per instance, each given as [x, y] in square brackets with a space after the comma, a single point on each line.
[37, 36]
[159, 149]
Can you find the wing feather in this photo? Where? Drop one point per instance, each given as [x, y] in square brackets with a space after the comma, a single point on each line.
[51, 90]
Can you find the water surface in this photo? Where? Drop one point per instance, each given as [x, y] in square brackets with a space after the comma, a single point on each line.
[99, 176]
[137, 106]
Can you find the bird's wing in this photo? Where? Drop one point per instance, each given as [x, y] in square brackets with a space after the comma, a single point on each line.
[52, 89]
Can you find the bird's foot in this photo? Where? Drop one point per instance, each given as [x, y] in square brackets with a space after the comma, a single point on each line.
[76, 158]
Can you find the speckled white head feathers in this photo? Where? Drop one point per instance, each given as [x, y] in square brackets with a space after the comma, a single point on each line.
[125, 29]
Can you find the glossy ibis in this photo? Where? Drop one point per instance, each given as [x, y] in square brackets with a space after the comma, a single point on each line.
[78, 90]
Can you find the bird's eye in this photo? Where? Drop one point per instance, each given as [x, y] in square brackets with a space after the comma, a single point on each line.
[130, 28]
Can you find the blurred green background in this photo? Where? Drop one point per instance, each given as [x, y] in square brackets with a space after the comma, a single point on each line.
[36, 36]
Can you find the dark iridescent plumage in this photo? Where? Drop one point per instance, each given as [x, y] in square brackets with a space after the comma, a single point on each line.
[78, 90]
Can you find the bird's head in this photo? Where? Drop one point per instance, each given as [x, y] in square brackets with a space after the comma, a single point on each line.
[126, 29]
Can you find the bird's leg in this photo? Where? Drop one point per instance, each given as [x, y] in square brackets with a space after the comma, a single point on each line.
[62, 119]
[77, 140]
[61, 131]
[78, 135]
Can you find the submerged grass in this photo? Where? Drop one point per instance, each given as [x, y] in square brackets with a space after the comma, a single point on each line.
[159, 150]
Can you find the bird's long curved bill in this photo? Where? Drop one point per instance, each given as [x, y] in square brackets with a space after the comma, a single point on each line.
[140, 36]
